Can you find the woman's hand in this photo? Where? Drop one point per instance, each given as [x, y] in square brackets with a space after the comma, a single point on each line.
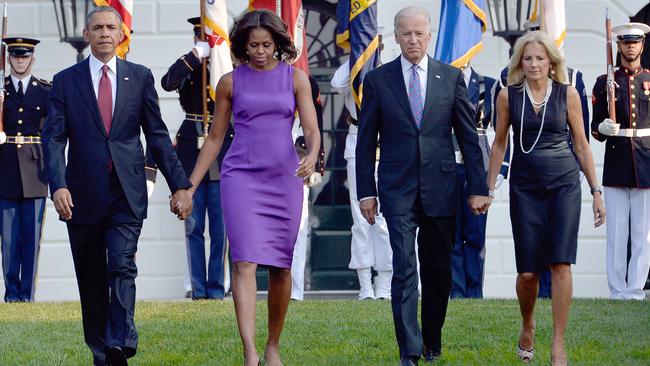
[306, 166]
[599, 210]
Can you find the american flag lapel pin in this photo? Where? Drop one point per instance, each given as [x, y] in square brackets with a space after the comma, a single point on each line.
[126, 78]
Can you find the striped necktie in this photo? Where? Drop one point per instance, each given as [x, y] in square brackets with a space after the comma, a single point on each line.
[415, 95]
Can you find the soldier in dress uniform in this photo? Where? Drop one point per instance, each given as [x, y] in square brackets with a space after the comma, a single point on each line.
[468, 254]
[184, 76]
[626, 171]
[24, 180]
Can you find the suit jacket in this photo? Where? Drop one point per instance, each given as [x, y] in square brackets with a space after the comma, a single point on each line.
[21, 165]
[73, 115]
[417, 162]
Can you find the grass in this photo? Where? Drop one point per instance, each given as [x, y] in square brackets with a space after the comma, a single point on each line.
[335, 332]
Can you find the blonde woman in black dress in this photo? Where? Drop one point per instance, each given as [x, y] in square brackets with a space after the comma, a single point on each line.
[545, 196]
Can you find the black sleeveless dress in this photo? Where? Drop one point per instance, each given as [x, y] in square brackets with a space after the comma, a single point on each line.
[545, 196]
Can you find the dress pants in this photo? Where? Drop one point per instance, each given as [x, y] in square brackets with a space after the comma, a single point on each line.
[104, 260]
[435, 242]
[468, 255]
[370, 245]
[207, 198]
[627, 208]
[300, 251]
[20, 238]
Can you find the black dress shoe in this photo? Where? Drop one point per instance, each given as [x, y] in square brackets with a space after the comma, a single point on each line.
[408, 361]
[431, 355]
[115, 357]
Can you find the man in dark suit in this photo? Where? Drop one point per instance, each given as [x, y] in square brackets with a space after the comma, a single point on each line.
[23, 187]
[412, 104]
[99, 106]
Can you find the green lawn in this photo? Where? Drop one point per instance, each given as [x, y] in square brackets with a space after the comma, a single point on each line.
[336, 332]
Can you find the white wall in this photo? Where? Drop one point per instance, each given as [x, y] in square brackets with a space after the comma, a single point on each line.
[162, 35]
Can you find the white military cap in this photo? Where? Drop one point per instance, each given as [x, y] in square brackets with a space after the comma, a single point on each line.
[631, 31]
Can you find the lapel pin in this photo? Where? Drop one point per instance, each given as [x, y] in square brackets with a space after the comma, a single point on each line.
[126, 78]
[437, 76]
[34, 83]
[473, 80]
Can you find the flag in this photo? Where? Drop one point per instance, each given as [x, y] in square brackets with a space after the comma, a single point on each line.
[215, 22]
[125, 9]
[462, 23]
[357, 33]
[554, 21]
[292, 14]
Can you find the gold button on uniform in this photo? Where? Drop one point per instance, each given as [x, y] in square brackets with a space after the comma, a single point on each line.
[632, 87]
[633, 96]
[633, 105]
[20, 109]
[633, 124]
[633, 115]
[18, 134]
[19, 146]
[631, 77]
[38, 108]
[20, 121]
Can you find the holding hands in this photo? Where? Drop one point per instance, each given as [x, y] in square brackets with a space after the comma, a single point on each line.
[180, 203]
[479, 204]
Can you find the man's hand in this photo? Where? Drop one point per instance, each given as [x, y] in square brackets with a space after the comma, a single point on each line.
[151, 185]
[201, 49]
[314, 179]
[368, 209]
[181, 204]
[479, 204]
[63, 203]
[608, 127]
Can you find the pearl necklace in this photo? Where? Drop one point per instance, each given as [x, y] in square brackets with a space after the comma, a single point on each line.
[527, 90]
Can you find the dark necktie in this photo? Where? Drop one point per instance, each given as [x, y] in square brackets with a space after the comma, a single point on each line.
[105, 102]
[105, 99]
[20, 89]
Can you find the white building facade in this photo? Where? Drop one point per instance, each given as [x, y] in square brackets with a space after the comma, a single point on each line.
[162, 35]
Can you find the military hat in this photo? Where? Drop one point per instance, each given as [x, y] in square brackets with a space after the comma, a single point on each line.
[196, 22]
[532, 25]
[631, 31]
[20, 46]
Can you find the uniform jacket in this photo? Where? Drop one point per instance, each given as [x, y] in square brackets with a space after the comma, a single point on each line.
[22, 167]
[184, 76]
[627, 159]
[74, 119]
[417, 163]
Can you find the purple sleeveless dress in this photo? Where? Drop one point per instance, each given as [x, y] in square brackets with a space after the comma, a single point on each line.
[261, 196]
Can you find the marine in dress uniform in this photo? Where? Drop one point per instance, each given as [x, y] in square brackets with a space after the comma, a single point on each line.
[468, 255]
[626, 171]
[24, 180]
[184, 76]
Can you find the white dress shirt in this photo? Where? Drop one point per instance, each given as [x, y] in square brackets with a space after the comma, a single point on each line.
[423, 68]
[467, 73]
[96, 74]
[25, 80]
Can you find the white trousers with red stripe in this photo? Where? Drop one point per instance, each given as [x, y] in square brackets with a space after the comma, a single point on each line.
[628, 215]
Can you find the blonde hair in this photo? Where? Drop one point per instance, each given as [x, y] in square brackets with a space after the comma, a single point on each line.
[557, 69]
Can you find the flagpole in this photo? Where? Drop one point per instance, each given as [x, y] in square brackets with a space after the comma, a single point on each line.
[204, 78]
[278, 8]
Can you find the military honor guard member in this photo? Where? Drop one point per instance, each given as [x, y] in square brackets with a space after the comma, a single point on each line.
[184, 76]
[468, 255]
[24, 180]
[626, 171]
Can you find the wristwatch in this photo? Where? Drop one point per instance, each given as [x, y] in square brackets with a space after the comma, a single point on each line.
[598, 189]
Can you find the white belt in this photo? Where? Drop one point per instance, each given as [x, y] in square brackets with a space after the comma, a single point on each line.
[633, 132]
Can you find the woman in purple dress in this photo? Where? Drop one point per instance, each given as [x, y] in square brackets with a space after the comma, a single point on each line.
[261, 175]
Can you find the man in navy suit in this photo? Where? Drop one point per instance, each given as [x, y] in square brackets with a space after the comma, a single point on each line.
[412, 104]
[98, 108]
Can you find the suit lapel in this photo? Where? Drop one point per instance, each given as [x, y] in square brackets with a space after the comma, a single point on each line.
[473, 89]
[122, 92]
[433, 75]
[85, 85]
[395, 79]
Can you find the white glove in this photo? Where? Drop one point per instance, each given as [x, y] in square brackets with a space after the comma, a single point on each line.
[150, 187]
[499, 181]
[202, 49]
[314, 179]
[608, 127]
[3, 137]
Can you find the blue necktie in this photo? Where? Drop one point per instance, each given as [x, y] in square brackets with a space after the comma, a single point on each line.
[415, 95]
